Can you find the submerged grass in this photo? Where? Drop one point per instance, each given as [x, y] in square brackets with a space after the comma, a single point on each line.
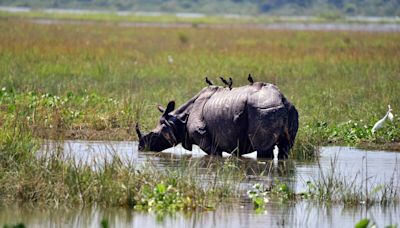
[332, 186]
[50, 179]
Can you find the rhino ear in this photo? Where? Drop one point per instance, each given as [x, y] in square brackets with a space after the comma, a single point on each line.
[170, 108]
[160, 108]
[183, 117]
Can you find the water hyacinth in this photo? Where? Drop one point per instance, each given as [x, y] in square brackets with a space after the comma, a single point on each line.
[258, 195]
[164, 197]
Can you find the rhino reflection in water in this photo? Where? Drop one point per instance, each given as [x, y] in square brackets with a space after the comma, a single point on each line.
[241, 120]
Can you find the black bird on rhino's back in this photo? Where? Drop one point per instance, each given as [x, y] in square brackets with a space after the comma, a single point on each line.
[224, 81]
[241, 120]
[227, 83]
[250, 79]
[230, 83]
[209, 82]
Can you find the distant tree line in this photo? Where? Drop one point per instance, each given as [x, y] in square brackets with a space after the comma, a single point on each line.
[273, 7]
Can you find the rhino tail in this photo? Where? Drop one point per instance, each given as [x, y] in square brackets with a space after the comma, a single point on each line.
[293, 124]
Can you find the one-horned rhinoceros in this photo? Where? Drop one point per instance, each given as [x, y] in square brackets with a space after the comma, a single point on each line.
[241, 120]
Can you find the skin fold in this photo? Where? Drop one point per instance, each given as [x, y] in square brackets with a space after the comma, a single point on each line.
[238, 120]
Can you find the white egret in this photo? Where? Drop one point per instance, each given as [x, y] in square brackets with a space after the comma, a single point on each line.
[170, 59]
[276, 152]
[381, 122]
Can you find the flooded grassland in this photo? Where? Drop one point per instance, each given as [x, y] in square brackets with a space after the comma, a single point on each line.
[94, 81]
[364, 172]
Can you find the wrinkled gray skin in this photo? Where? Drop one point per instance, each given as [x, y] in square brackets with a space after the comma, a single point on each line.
[242, 120]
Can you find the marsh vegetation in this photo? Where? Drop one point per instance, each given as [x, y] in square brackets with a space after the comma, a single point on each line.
[95, 81]
[112, 176]
[94, 78]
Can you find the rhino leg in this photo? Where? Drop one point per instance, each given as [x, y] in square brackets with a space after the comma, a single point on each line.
[211, 149]
[215, 150]
[207, 145]
[284, 145]
[265, 153]
[265, 129]
[284, 148]
[244, 146]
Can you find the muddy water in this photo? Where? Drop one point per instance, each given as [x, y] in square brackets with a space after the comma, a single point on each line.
[353, 164]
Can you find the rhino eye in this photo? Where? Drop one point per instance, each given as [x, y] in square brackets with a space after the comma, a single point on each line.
[163, 120]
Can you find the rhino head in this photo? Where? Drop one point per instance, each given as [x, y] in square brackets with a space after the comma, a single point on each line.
[166, 134]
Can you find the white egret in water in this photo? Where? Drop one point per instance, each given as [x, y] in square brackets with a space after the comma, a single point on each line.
[276, 152]
[380, 123]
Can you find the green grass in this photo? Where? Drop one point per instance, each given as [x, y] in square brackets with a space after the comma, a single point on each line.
[85, 79]
[333, 186]
[162, 18]
[207, 19]
[95, 81]
[113, 17]
[49, 179]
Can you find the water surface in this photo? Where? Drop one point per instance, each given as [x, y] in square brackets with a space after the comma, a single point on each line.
[378, 166]
[295, 25]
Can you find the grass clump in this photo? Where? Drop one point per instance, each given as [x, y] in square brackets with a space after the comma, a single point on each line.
[52, 180]
[84, 116]
[331, 186]
[92, 78]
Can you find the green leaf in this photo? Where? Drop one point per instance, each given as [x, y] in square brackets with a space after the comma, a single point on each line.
[363, 223]
[161, 188]
[284, 188]
[104, 223]
[258, 202]
[11, 108]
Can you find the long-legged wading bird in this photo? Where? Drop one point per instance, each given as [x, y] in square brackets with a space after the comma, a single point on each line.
[250, 79]
[381, 122]
[209, 82]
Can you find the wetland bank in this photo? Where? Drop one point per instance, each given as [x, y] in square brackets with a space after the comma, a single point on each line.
[95, 81]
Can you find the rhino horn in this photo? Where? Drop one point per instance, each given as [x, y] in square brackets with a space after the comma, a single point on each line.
[138, 131]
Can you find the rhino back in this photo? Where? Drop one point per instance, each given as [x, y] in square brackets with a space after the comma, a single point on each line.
[196, 126]
[267, 117]
[224, 116]
[265, 96]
